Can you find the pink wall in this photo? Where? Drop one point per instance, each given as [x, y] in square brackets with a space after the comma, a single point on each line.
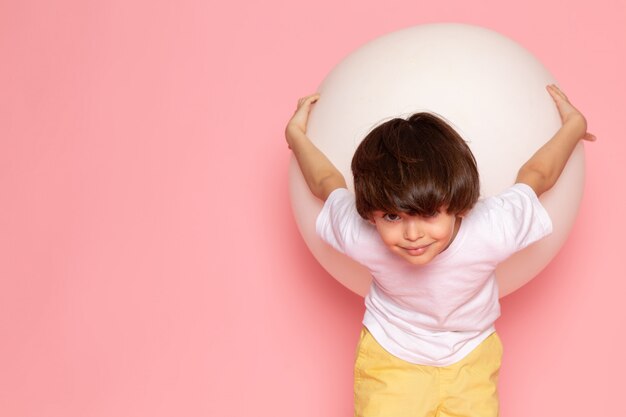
[149, 261]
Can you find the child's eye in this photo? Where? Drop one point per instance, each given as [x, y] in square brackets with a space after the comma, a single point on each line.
[390, 217]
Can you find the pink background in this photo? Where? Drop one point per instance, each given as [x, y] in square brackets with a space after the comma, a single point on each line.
[149, 261]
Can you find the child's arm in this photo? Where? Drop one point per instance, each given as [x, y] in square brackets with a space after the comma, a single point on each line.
[543, 169]
[319, 173]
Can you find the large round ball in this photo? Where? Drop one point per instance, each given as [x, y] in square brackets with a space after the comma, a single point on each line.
[490, 89]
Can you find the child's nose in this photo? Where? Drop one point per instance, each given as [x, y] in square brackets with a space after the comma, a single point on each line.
[412, 230]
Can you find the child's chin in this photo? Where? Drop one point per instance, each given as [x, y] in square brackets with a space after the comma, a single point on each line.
[416, 260]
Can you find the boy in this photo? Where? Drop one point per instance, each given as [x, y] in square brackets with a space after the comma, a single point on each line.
[428, 346]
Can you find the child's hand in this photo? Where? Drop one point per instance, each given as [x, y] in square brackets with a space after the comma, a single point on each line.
[569, 113]
[544, 168]
[298, 122]
[320, 174]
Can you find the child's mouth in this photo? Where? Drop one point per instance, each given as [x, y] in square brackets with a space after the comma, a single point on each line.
[417, 250]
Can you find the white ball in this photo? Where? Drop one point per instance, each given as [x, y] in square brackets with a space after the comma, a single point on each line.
[490, 89]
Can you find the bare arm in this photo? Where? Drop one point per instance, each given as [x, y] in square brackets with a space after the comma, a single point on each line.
[319, 173]
[544, 168]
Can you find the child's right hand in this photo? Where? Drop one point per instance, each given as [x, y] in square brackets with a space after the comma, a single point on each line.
[569, 113]
[298, 122]
[320, 174]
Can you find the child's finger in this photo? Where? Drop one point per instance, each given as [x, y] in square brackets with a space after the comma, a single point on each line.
[554, 90]
[551, 90]
[590, 137]
[312, 98]
[308, 99]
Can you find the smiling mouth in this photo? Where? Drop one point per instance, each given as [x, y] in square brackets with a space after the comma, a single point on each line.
[416, 250]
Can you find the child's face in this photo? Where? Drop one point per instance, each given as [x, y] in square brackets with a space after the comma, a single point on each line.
[416, 239]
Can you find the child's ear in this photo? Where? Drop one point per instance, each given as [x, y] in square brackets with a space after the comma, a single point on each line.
[370, 219]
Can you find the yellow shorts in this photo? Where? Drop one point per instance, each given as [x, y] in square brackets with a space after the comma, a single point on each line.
[385, 386]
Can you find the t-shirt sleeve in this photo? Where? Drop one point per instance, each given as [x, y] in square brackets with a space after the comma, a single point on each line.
[339, 224]
[517, 219]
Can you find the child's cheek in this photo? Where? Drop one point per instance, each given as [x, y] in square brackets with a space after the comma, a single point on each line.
[443, 231]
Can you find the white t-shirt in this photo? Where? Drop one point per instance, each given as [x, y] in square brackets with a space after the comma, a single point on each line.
[437, 313]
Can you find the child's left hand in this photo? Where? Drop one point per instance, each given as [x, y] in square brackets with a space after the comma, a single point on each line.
[568, 112]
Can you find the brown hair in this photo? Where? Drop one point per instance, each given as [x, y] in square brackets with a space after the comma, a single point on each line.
[416, 166]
